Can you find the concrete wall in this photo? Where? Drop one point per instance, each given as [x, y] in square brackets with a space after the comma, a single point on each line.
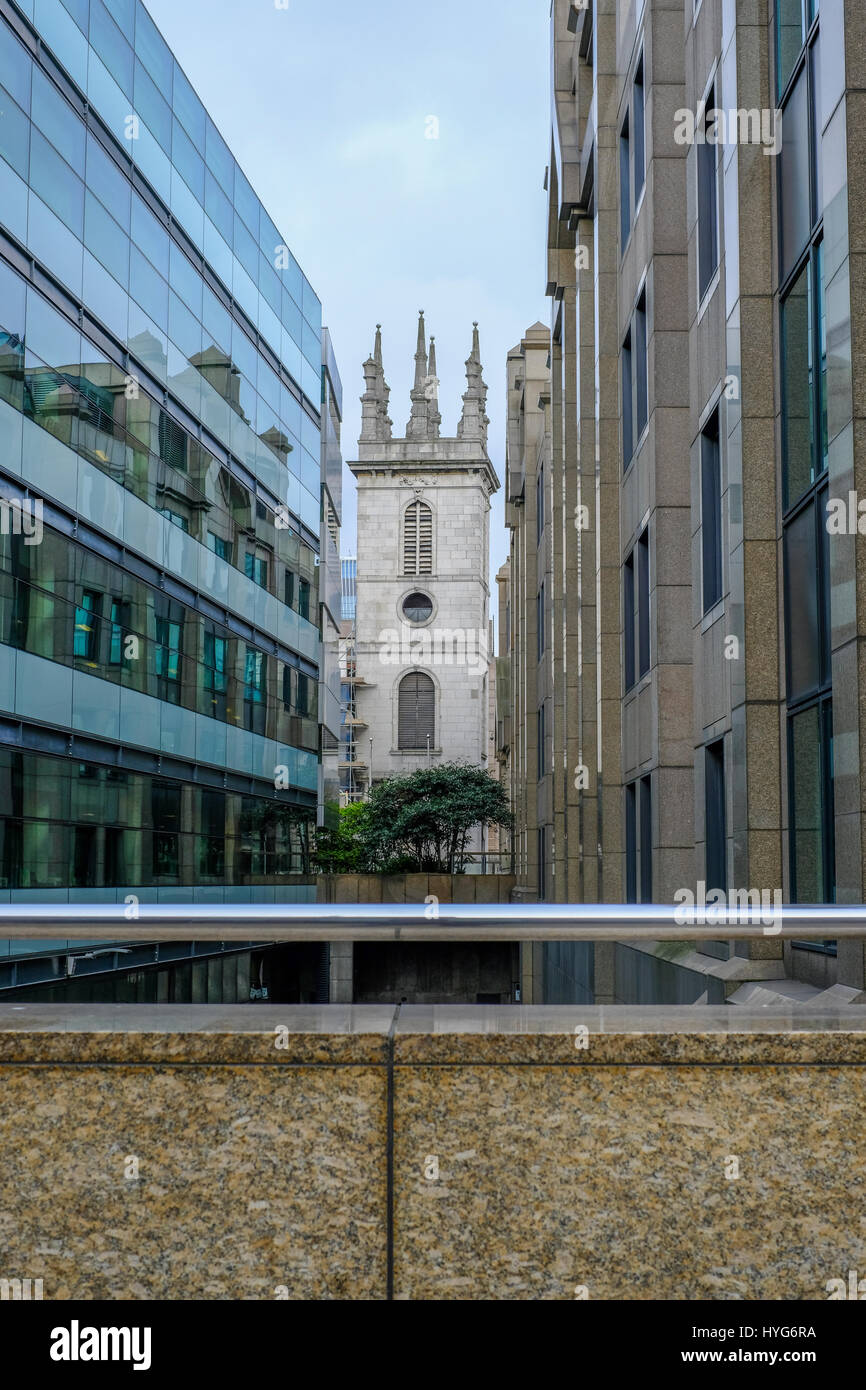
[243, 1153]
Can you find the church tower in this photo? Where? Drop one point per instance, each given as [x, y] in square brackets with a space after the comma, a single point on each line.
[421, 627]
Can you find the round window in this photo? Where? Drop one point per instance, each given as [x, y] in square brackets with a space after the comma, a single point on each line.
[417, 608]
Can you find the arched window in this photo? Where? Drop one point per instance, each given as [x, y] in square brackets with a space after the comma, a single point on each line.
[418, 539]
[416, 711]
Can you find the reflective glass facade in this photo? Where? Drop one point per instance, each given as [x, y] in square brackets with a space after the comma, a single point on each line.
[161, 404]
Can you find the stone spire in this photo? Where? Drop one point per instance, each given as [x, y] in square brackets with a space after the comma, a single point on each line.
[474, 421]
[434, 419]
[375, 424]
[417, 427]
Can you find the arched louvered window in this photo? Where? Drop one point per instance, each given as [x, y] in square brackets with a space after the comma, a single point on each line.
[418, 539]
[416, 713]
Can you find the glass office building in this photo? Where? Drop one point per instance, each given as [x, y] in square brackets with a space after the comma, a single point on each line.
[161, 485]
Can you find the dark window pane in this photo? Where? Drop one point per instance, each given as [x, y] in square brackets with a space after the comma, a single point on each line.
[801, 603]
[624, 176]
[711, 515]
[627, 405]
[793, 165]
[798, 426]
[708, 234]
[643, 604]
[631, 843]
[714, 804]
[639, 151]
[628, 620]
[646, 841]
[641, 365]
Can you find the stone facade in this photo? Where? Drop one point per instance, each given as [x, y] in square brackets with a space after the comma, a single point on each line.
[422, 625]
[699, 682]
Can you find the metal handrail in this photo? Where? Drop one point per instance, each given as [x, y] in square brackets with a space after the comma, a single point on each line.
[432, 921]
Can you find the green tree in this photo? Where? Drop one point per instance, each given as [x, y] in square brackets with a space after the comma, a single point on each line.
[340, 851]
[423, 822]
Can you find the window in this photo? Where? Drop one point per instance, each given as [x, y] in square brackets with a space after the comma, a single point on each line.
[290, 584]
[168, 648]
[628, 593]
[416, 706]
[215, 675]
[304, 598]
[714, 816]
[540, 618]
[805, 442]
[624, 190]
[541, 734]
[175, 518]
[631, 843]
[542, 862]
[807, 599]
[212, 844]
[165, 814]
[256, 569]
[119, 624]
[641, 383]
[418, 539]
[636, 612]
[84, 857]
[255, 672]
[417, 608]
[627, 404]
[304, 696]
[639, 149]
[646, 841]
[85, 645]
[539, 506]
[708, 231]
[219, 546]
[643, 605]
[711, 514]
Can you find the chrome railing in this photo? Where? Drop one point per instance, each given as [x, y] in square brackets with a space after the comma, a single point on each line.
[431, 921]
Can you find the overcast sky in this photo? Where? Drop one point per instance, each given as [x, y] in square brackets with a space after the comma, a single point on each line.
[325, 104]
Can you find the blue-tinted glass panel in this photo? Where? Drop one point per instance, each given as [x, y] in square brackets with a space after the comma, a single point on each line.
[217, 322]
[56, 119]
[12, 302]
[150, 235]
[185, 280]
[123, 13]
[246, 249]
[56, 184]
[64, 37]
[107, 241]
[111, 46]
[246, 202]
[105, 179]
[150, 106]
[218, 207]
[79, 9]
[244, 354]
[148, 288]
[14, 135]
[219, 158]
[153, 51]
[15, 67]
[51, 337]
[183, 328]
[189, 109]
[187, 160]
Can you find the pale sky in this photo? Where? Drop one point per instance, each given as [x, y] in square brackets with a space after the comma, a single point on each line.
[325, 104]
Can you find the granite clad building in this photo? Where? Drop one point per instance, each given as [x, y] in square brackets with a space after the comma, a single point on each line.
[170, 415]
[686, 612]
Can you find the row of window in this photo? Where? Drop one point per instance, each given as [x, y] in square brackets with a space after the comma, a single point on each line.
[62, 602]
[66, 824]
[136, 443]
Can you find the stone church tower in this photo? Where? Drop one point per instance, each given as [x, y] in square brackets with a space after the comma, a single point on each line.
[421, 632]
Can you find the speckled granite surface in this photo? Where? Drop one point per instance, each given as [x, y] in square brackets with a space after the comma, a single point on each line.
[679, 1154]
